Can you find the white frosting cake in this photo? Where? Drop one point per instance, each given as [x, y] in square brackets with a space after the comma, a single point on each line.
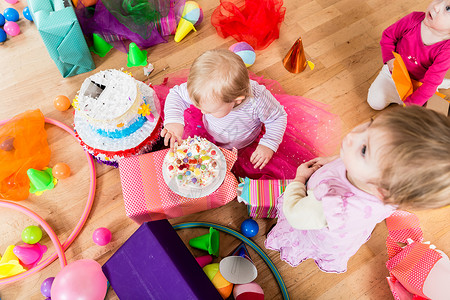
[195, 164]
[115, 115]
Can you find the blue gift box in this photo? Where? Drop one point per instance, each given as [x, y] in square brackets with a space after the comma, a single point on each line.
[62, 35]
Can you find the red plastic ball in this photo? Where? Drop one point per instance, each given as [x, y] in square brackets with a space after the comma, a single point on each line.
[61, 171]
[61, 103]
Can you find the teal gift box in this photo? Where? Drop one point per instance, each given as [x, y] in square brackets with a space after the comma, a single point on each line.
[62, 35]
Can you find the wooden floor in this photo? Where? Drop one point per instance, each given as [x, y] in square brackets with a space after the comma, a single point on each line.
[340, 36]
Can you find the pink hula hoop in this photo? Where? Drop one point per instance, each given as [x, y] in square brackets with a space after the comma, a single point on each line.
[60, 248]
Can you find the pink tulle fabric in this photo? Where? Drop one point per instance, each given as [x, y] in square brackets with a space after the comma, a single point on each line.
[311, 131]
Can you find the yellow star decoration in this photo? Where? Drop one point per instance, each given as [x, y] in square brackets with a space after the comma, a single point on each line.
[144, 110]
[75, 102]
[128, 73]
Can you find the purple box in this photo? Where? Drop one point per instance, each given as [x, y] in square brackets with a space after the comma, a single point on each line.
[154, 263]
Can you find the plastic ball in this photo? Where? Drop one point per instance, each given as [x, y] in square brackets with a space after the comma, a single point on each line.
[2, 35]
[245, 51]
[192, 12]
[46, 286]
[249, 228]
[61, 171]
[61, 103]
[31, 235]
[2, 20]
[223, 286]
[12, 28]
[27, 14]
[81, 279]
[11, 14]
[12, 1]
[248, 291]
[101, 236]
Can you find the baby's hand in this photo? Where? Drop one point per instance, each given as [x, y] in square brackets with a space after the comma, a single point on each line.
[305, 170]
[390, 64]
[172, 133]
[261, 156]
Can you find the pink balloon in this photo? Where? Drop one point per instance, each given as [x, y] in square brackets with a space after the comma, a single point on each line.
[81, 280]
[11, 28]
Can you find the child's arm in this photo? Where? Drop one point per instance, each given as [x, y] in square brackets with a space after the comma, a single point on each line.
[177, 102]
[393, 33]
[272, 114]
[432, 79]
[303, 211]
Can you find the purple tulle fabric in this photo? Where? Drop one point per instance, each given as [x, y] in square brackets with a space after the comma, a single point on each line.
[311, 131]
[100, 20]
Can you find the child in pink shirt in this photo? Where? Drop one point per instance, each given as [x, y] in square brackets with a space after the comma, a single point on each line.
[422, 40]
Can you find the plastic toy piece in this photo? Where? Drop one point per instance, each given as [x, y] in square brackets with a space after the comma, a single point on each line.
[11, 14]
[183, 28]
[2, 20]
[238, 267]
[192, 12]
[249, 228]
[148, 264]
[61, 171]
[26, 13]
[136, 57]
[245, 51]
[12, 28]
[204, 260]
[208, 242]
[61, 103]
[9, 263]
[100, 47]
[7, 144]
[40, 181]
[101, 236]
[31, 235]
[46, 286]
[249, 291]
[2, 35]
[30, 255]
[223, 286]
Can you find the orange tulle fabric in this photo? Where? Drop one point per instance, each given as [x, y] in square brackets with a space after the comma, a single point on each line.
[256, 22]
[23, 145]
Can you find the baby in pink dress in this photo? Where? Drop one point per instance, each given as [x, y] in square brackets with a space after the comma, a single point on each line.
[382, 166]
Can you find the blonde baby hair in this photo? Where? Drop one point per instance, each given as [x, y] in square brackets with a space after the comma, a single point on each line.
[415, 167]
[218, 75]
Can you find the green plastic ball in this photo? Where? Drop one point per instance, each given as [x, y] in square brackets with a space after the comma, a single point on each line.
[31, 235]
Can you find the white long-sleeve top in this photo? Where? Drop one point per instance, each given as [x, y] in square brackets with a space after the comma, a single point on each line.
[242, 125]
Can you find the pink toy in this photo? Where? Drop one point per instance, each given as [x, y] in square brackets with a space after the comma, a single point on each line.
[30, 255]
[12, 1]
[101, 236]
[204, 260]
[83, 279]
[11, 28]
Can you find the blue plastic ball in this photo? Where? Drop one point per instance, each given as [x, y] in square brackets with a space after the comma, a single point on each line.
[249, 228]
[27, 14]
[2, 35]
[2, 20]
[11, 14]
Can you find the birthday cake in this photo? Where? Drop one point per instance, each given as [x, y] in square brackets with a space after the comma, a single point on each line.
[116, 116]
[195, 168]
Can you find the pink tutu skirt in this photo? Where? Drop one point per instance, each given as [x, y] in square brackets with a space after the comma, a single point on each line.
[311, 131]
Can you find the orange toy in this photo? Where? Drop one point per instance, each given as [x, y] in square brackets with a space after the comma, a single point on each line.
[23, 145]
[403, 83]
